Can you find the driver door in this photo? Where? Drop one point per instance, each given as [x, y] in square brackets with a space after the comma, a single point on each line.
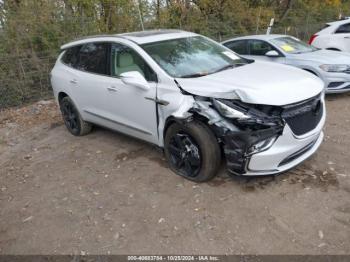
[258, 49]
[131, 109]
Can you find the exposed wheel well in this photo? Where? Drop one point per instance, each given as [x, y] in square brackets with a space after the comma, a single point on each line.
[61, 95]
[171, 120]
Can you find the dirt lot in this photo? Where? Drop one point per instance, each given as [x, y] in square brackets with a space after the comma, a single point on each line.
[108, 193]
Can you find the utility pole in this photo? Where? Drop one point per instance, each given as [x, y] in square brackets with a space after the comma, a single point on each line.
[140, 16]
[258, 21]
[270, 26]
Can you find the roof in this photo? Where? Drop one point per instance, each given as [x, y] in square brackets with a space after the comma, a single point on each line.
[339, 22]
[149, 36]
[260, 37]
[141, 37]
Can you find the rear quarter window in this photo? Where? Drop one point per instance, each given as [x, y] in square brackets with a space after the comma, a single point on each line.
[70, 56]
[343, 29]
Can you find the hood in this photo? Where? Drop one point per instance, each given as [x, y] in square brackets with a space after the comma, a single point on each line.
[257, 83]
[325, 57]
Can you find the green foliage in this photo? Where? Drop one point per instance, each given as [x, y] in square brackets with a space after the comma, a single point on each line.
[32, 31]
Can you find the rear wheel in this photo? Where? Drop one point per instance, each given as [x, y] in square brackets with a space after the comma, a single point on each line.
[192, 151]
[72, 119]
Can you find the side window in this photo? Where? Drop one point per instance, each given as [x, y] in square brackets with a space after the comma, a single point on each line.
[343, 29]
[70, 56]
[93, 57]
[125, 59]
[240, 47]
[259, 47]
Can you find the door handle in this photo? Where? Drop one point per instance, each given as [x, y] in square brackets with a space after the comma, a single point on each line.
[73, 81]
[158, 101]
[112, 89]
[347, 37]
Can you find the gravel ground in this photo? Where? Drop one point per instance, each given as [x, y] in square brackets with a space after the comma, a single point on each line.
[107, 193]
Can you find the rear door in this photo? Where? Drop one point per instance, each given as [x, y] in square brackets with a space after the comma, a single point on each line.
[92, 79]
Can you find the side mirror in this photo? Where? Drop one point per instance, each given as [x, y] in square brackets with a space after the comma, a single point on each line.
[272, 53]
[134, 78]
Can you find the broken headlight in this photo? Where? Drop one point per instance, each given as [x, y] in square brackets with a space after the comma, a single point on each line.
[229, 111]
[262, 146]
[249, 115]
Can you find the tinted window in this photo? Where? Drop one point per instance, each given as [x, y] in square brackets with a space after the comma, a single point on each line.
[70, 56]
[239, 47]
[344, 29]
[93, 57]
[124, 59]
[258, 47]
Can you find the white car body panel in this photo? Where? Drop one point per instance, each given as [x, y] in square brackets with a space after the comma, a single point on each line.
[108, 102]
[328, 39]
[263, 88]
[310, 61]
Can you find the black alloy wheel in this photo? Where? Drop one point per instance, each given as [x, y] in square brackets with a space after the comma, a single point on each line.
[185, 155]
[192, 150]
[70, 117]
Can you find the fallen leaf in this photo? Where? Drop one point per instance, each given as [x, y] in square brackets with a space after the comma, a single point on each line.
[27, 219]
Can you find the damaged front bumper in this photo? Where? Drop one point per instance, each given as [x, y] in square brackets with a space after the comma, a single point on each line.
[278, 156]
[272, 140]
[285, 153]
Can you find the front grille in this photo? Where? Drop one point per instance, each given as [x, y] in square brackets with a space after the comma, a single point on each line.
[304, 116]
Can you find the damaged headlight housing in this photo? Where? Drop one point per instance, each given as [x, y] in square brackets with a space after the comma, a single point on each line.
[228, 111]
[262, 145]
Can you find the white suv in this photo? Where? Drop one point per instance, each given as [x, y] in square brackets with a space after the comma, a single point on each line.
[335, 36]
[195, 98]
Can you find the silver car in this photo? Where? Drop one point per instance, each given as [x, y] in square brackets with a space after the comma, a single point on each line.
[331, 66]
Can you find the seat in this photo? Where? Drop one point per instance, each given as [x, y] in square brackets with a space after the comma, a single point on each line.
[125, 63]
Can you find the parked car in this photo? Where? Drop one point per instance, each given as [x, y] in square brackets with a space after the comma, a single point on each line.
[334, 36]
[193, 97]
[331, 66]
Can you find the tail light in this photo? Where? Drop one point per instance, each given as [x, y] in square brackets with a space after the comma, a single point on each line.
[312, 39]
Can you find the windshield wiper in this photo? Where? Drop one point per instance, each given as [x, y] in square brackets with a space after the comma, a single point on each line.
[216, 71]
[194, 75]
[224, 68]
[229, 67]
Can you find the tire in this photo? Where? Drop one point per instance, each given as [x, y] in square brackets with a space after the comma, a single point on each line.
[192, 151]
[72, 119]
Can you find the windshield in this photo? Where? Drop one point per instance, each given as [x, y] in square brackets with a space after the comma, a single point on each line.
[293, 45]
[192, 56]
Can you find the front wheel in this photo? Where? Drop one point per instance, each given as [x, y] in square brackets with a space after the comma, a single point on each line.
[192, 151]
